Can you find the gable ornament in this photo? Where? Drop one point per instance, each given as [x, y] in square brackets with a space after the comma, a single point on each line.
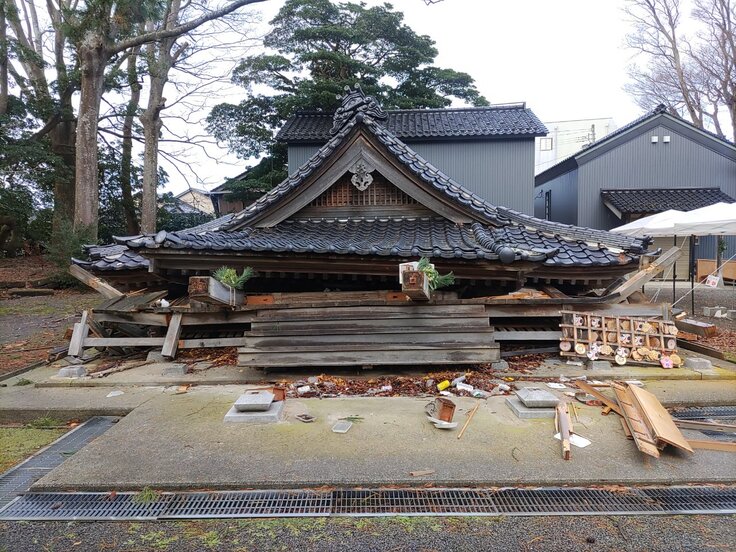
[362, 177]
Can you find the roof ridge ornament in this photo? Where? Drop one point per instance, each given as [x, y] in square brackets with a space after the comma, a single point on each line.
[355, 102]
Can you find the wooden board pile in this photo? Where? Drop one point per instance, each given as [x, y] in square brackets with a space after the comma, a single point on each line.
[649, 425]
[620, 339]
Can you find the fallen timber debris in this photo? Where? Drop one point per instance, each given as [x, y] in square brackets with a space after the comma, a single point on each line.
[648, 423]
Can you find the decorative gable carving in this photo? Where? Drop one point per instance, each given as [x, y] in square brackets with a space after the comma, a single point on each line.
[361, 170]
[344, 193]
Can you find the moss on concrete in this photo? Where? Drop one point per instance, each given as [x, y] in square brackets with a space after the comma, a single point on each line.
[17, 444]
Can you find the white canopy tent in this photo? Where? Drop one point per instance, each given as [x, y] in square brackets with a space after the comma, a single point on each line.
[718, 219]
[655, 226]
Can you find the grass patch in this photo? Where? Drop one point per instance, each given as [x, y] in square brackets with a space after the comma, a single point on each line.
[146, 496]
[47, 422]
[17, 444]
[23, 381]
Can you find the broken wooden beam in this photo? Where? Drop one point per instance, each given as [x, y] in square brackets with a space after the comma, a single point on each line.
[564, 427]
[702, 329]
[79, 335]
[610, 403]
[100, 286]
[708, 444]
[708, 426]
[171, 341]
[622, 292]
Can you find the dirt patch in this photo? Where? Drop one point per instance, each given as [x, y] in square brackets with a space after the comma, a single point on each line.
[31, 326]
[24, 269]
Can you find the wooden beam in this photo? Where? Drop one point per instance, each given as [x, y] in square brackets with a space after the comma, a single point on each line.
[702, 329]
[103, 288]
[124, 342]
[610, 403]
[172, 336]
[564, 426]
[707, 444]
[79, 335]
[636, 281]
[708, 426]
[209, 290]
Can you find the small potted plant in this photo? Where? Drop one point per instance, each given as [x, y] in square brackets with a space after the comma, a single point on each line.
[420, 279]
[224, 287]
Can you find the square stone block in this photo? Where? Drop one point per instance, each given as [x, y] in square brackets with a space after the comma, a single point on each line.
[536, 397]
[72, 372]
[524, 412]
[272, 415]
[254, 401]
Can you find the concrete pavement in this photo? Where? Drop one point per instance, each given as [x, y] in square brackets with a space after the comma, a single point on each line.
[181, 442]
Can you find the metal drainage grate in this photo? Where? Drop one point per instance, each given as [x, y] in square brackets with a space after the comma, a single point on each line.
[709, 412]
[373, 502]
[20, 478]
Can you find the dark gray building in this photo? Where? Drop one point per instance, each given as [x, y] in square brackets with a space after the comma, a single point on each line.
[655, 163]
[488, 150]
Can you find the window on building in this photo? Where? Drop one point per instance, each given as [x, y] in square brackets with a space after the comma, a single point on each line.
[548, 205]
[545, 144]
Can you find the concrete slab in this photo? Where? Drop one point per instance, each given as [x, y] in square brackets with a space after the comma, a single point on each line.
[273, 414]
[536, 397]
[180, 442]
[254, 399]
[528, 413]
[698, 363]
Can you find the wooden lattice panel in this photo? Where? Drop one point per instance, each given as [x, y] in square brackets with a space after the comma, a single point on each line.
[633, 335]
[379, 193]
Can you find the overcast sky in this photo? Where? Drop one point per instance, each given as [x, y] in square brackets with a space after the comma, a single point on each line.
[565, 59]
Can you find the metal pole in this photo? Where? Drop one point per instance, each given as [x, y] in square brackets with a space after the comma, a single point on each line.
[674, 271]
[692, 275]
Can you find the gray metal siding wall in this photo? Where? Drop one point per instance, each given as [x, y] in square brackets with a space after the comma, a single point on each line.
[299, 154]
[564, 198]
[499, 171]
[706, 248]
[637, 163]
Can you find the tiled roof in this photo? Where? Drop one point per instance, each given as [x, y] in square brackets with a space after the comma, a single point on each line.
[112, 257]
[404, 237]
[497, 233]
[417, 124]
[637, 201]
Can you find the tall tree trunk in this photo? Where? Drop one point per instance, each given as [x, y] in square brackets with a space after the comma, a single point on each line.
[126, 168]
[63, 140]
[3, 60]
[151, 121]
[93, 58]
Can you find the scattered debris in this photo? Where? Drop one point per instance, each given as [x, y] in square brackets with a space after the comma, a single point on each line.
[343, 426]
[441, 409]
[114, 393]
[554, 385]
[470, 417]
[563, 423]
[182, 389]
[576, 440]
[306, 418]
[420, 473]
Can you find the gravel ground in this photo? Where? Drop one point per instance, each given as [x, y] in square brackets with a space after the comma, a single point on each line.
[599, 534]
[704, 297]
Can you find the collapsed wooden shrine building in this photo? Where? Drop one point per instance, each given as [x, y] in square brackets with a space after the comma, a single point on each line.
[325, 246]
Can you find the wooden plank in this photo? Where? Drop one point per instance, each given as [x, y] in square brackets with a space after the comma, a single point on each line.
[640, 432]
[700, 348]
[610, 403]
[527, 335]
[327, 325]
[378, 330]
[376, 338]
[702, 329]
[708, 444]
[100, 286]
[553, 292]
[659, 420]
[625, 426]
[375, 357]
[124, 342]
[81, 329]
[212, 342]
[708, 426]
[171, 341]
[636, 281]
[564, 426]
[367, 346]
[142, 318]
[377, 311]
